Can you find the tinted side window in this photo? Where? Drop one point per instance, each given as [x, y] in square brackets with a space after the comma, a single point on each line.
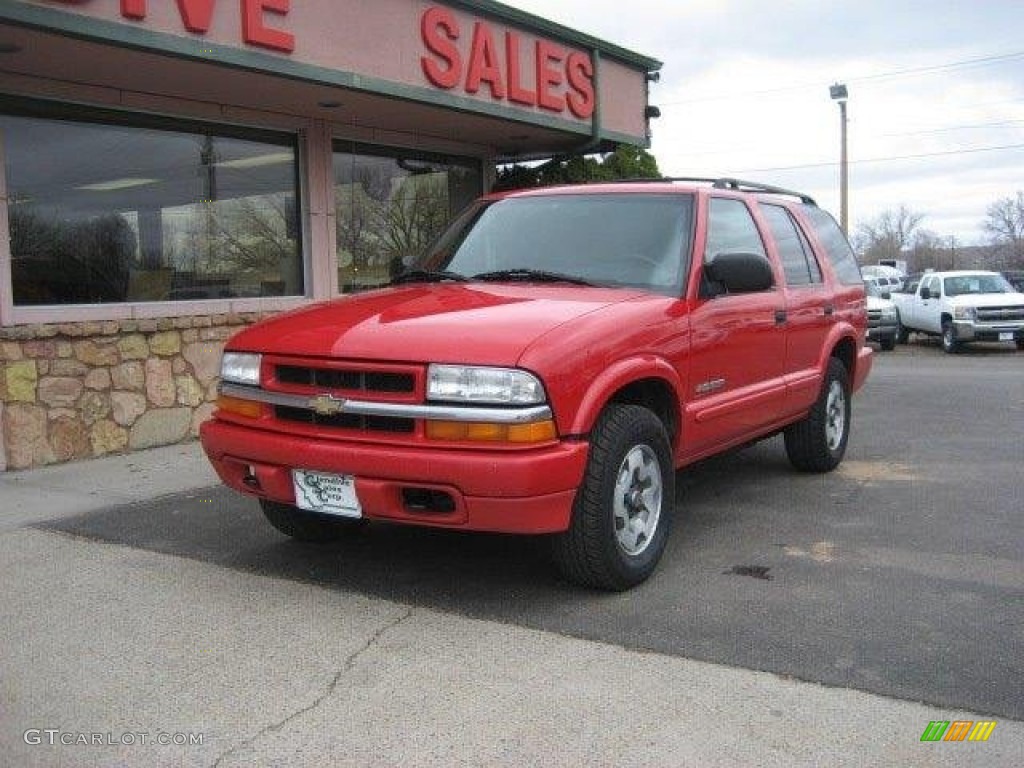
[837, 248]
[731, 229]
[797, 261]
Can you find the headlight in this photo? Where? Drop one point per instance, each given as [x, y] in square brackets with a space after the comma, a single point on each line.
[467, 384]
[240, 368]
[964, 313]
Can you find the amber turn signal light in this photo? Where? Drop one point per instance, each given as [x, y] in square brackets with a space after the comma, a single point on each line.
[240, 407]
[486, 432]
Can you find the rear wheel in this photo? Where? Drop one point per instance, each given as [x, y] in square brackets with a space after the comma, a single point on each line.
[888, 343]
[308, 526]
[949, 343]
[818, 442]
[623, 509]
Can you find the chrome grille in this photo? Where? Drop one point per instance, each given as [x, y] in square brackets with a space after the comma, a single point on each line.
[1000, 314]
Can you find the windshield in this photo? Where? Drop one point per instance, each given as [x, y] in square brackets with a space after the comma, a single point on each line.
[628, 240]
[964, 284]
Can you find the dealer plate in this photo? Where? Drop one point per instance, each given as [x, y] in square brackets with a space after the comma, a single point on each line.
[326, 493]
[1006, 336]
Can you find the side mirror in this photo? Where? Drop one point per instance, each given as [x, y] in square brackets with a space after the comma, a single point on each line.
[740, 272]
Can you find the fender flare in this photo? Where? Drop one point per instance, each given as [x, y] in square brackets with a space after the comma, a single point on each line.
[615, 377]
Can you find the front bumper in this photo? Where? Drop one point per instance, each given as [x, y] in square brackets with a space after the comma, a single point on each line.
[882, 331]
[969, 331]
[529, 491]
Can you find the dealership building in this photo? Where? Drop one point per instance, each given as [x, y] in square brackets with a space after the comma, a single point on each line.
[175, 170]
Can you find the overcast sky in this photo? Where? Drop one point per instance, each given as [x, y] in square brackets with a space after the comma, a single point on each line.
[744, 92]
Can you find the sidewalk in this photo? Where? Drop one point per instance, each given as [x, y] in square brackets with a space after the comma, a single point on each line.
[60, 490]
[96, 637]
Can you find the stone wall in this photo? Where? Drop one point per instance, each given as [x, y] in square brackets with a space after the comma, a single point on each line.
[77, 390]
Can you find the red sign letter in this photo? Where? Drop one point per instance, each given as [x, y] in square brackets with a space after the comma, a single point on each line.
[439, 30]
[253, 31]
[484, 65]
[196, 14]
[548, 76]
[516, 92]
[133, 9]
[581, 85]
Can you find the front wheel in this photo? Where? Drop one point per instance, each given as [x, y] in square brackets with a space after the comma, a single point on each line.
[303, 525]
[1020, 345]
[902, 332]
[949, 343]
[818, 442]
[888, 343]
[623, 509]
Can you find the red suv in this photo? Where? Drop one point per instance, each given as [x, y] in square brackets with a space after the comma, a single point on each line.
[548, 364]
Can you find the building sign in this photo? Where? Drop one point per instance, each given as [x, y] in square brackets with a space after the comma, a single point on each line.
[477, 59]
[196, 16]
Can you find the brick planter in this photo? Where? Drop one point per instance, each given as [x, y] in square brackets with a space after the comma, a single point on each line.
[77, 390]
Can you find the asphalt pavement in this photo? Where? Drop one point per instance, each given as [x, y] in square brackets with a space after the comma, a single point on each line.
[795, 619]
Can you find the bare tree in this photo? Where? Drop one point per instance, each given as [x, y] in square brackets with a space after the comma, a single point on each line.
[889, 235]
[1004, 221]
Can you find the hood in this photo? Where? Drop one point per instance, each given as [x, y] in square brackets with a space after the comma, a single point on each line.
[988, 300]
[875, 302]
[487, 324]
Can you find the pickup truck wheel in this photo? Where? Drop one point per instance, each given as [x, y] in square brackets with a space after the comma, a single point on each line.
[949, 343]
[888, 344]
[818, 442]
[1020, 345]
[902, 332]
[623, 509]
[303, 525]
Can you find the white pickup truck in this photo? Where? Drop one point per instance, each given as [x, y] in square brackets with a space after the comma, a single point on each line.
[961, 306]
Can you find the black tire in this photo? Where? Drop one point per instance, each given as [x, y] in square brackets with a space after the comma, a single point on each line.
[812, 444]
[594, 551]
[1020, 345]
[888, 343]
[949, 343]
[303, 525]
[902, 332]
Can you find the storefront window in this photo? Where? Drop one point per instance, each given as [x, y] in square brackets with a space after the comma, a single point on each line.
[390, 207]
[124, 210]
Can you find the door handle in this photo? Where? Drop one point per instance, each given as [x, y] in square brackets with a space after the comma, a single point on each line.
[829, 310]
[780, 316]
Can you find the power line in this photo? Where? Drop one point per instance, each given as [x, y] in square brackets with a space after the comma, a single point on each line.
[982, 61]
[730, 149]
[970, 151]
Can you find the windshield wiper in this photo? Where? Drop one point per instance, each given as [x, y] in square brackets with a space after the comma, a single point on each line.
[428, 276]
[531, 275]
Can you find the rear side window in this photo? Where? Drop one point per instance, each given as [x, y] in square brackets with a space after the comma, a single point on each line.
[797, 260]
[837, 248]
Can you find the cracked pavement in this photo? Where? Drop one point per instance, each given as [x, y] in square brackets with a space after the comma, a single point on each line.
[180, 615]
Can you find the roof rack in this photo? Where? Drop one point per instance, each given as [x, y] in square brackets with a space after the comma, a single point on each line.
[722, 183]
[752, 186]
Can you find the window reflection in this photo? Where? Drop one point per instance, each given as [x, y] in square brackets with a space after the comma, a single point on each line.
[391, 207]
[109, 212]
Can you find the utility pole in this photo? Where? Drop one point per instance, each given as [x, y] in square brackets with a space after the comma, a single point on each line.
[841, 94]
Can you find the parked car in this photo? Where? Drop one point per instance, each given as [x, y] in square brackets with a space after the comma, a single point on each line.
[962, 306]
[883, 322]
[548, 364]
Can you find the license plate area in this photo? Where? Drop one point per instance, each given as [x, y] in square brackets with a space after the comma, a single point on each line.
[326, 493]
[1004, 336]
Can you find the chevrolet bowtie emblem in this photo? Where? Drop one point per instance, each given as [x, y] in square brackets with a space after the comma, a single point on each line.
[327, 405]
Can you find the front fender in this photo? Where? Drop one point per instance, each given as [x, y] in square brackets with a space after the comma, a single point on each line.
[616, 377]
